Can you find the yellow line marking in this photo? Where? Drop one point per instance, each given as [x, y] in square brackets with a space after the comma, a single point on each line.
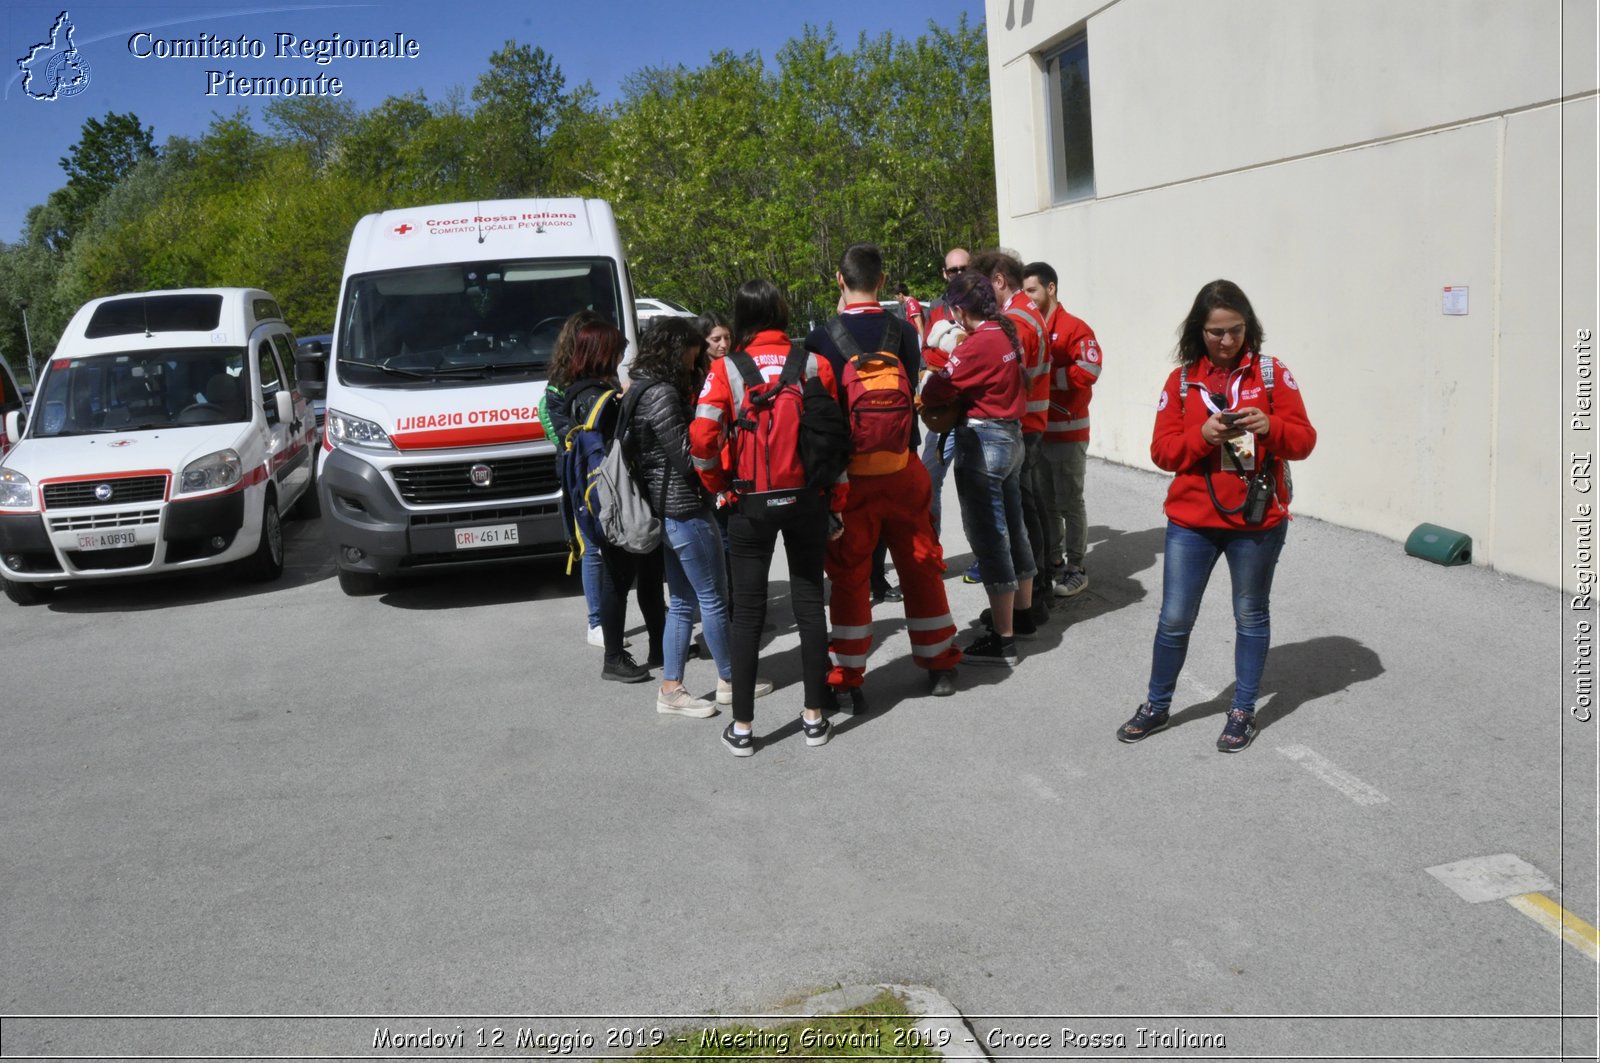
[1560, 922]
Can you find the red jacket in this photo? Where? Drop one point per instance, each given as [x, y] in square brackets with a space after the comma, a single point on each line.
[1075, 363]
[1178, 447]
[1032, 336]
[984, 374]
[715, 412]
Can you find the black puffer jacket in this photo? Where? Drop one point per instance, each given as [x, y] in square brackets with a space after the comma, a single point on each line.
[659, 440]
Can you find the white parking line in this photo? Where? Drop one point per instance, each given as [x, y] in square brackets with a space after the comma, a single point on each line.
[1333, 775]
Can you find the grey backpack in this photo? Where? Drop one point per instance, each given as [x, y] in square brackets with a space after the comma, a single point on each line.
[626, 517]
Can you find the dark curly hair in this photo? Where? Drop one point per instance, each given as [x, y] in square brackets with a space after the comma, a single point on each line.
[1218, 295]
[973, 292]
[661, 347]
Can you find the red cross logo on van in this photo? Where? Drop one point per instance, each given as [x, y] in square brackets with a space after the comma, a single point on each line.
[402, 228]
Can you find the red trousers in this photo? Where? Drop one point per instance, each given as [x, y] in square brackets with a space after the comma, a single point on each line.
[895, 508]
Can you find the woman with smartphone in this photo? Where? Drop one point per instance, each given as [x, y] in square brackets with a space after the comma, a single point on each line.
[1227, 421]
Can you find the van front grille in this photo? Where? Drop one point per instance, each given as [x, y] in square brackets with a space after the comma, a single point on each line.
[450, 483]
[124, 490]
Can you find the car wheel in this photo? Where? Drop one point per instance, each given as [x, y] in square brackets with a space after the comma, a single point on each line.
[266, 564]
[358, 584]
[27, 593]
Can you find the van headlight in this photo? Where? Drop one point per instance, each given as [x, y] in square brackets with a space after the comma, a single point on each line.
[15, 490]
[210, 473]
[353, 431]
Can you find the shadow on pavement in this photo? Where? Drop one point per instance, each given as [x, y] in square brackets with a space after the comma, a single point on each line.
[1297, 673]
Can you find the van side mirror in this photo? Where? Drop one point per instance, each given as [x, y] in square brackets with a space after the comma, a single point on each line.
[15, 422]
[311, 367]
[284, 404]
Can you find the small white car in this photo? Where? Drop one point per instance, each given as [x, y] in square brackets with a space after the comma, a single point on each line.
[646, 308]
[167, 433]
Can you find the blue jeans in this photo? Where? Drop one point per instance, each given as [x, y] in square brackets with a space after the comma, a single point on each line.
[593, 571]
[696, 575]
[1191, 554]
[989, 484]
[937, 464]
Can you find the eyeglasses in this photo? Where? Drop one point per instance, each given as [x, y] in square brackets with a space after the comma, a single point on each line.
[1218, 334]
[951, 271]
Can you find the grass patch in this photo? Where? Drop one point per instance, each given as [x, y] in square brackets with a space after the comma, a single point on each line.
[880, 1028]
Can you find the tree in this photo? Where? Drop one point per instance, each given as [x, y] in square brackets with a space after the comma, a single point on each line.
[524, 117]
[105, 152]
[315, 121]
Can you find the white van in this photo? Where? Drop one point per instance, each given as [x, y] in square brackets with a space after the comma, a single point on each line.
[167, 433]
[433, 453]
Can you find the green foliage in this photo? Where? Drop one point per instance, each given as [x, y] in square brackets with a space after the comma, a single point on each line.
[105, 153]
[718, 174]
[880, 1029]
[731, 171]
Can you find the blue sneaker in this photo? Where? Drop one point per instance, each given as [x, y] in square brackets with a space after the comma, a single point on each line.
[1146, 722]
[1238, 732]
[972, 575]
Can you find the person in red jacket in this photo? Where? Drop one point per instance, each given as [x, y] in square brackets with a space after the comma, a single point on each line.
[760, 330]
[1226, 422]
[984, 380]
[1004, 271]
[1075, 363]
[889, 500]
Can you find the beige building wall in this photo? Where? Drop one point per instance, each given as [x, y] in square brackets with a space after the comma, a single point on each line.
[1343, 161]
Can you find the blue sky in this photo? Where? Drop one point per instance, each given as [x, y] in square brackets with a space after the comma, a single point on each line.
[599, 41]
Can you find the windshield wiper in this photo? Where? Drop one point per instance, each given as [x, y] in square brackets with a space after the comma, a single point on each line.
[390, 369]
[481, 367]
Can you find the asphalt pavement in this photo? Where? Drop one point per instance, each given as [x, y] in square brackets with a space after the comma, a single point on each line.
[226, 800]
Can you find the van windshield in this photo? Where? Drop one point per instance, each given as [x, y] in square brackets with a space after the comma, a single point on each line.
[143, 389]
[471, 322]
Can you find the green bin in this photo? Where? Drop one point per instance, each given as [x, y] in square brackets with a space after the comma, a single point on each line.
[1442, 546]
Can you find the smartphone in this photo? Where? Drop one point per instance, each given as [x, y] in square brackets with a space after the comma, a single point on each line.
[1232, 417]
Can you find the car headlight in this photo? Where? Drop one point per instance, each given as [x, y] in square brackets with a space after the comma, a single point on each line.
[15, 490]
[210, 473]
[345, 430]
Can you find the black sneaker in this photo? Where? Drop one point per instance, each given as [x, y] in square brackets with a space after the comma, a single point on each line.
[1039, 611]
[849, 700]
[656, 659]
[1022, 625]
[739, 745]
[887, 593]
[942, 683]
[624, 670]
[991, 651]
[1145, 722]
[1238, 732]
[818, 733]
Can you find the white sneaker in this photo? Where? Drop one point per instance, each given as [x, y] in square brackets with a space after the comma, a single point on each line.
[682, 703]
[597, 637]
[1072, 583]
[725, 690]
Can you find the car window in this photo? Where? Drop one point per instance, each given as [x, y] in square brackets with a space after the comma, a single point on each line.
[271, 379]
[286, 359]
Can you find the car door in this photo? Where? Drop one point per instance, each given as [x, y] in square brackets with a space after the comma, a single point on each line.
[303, 439]
[280, 436]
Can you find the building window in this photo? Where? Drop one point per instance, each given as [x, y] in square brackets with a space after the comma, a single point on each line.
[1066, 73]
